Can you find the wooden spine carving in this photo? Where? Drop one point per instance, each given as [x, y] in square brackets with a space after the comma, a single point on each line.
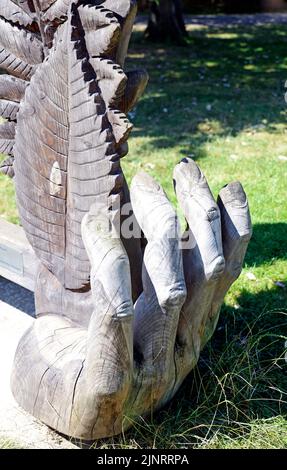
[121, 320]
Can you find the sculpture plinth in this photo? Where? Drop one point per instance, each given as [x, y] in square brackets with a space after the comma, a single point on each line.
[122, 317]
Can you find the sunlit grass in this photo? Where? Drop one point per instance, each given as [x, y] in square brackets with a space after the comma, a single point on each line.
[226, 109]
[8, 444]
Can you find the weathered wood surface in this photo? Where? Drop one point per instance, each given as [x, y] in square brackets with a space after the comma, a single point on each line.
[133, 357]
[121, 319]
[69, 110]
[18, 262]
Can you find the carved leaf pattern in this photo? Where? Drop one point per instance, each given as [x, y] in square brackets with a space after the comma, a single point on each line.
[67, 139]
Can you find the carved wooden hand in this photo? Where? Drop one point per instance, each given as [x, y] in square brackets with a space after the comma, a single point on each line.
[120, 321]
[91, 382]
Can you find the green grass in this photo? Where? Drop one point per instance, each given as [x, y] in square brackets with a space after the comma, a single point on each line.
[8, 444]
[221, 100]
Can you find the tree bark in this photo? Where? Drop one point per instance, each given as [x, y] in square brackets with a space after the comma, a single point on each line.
[166, 22]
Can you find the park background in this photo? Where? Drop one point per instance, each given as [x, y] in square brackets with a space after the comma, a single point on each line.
[226, 6]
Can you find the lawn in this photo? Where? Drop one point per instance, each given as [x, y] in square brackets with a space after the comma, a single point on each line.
[8, 444]
[221, 101]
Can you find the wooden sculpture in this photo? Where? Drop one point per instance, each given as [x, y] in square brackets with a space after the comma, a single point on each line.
[121, 319]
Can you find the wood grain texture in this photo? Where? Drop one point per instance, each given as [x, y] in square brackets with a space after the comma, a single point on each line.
[7, 138]
[203, 262]
[109, 370]
[157, 309]
[137, 81]
[57, 10]
[9, 109]
[64, 121]
[12, 91]
[7, 167]
[12, 88]
[13, 12]
[22, 44]
[23, 4]
[121, 318]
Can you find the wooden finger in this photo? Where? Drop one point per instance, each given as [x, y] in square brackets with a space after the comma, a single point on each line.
[236, 234]
[203, 260]
[157, 310]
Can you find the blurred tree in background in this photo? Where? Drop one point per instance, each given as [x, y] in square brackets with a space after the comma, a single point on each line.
[225, 6]
[166, 21]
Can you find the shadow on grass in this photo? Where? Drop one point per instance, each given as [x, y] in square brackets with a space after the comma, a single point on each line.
[267, 244]
[228, 80]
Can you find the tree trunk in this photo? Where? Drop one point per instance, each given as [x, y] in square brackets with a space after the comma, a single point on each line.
[166, 22]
